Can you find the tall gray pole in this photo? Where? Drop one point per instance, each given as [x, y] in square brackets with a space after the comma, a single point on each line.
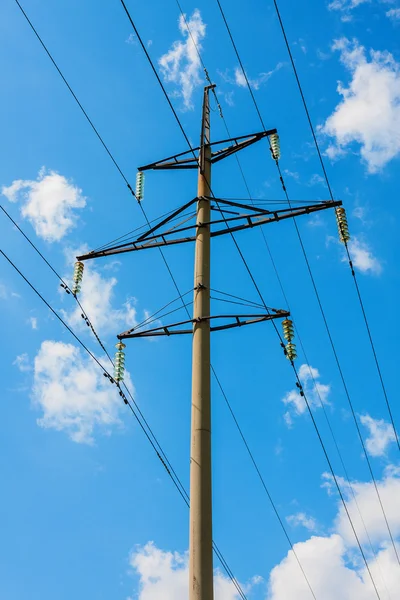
[200, 544]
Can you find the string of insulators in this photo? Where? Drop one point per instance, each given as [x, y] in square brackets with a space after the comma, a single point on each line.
[288, 334]
[275, 146]
[342, 224]
[119, 362]
[139, 185]
[78, 275]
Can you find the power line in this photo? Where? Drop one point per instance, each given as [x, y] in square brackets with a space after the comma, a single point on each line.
[106, 148]
[376, 360]
[164, 94]
[216, 549]
[315, 290]
[155, 445]
[255, 284]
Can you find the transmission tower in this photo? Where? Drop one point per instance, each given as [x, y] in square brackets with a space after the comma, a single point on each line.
[203, 323]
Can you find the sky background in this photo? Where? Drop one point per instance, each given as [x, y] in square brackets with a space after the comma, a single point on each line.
[87, 509]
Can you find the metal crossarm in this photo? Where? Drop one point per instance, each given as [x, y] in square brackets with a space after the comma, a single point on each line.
[173, 328]
[256, 216]
[238, 143]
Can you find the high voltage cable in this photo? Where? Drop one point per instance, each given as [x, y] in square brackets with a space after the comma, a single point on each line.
[77, 100]
[279, 280]
[331, 195]
[215, 547]
[155, 444]
[223, 561]
[164, 94]
[255, 284]
[315, 290]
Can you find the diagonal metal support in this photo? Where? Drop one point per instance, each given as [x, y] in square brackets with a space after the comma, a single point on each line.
[177, 161]
[255, 218]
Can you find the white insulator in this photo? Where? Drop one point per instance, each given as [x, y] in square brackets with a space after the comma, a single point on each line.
[139, 185]
[275, 146]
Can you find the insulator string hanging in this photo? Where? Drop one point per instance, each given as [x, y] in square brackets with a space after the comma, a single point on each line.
[288, 334]
[77, 278]
[342, 224]
[275, 146]
[139, 185]
[119, 362]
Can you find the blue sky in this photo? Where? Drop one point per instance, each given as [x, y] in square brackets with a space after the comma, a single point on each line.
[87, 508]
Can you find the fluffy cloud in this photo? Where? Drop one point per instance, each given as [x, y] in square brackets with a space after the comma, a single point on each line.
[366, 502]
[381, 435]
[369, 113]
[315, 391]
[96, 297]
[345, 7]
[181, 64]
[22, 362]
[240, 80]
[33, 322]
[166, 575]
[394, 14]
[303, 520]
[48, 203]
[331, 563]
[72, 393]
[362, 257]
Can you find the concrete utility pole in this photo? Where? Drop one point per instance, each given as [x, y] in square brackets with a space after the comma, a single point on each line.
[200, 544]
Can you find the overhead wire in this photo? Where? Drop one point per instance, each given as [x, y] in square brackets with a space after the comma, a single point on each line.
[325, 173]
[266, 243]
[157, 78]
[170, 469]
[155, 444]
[256, 286]
[316, 292]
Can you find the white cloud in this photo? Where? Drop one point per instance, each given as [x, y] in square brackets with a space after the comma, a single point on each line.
[292, 174]
[22, 362]
[331, 563]
[381, 434]
[73, 394]
[3, 292]
[360, 213]
[97, 297]
[48, 203]
[316, 392]
[303, 520]
[368, 503]
[166, 575]
[369, 113]
[240, 80]
[33, 322]
[131, 39]
[362, 257]
[181, 64]
[316, 180]
[345, 7]
[394, 14]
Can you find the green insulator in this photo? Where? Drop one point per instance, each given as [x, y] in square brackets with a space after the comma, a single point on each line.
[275, 146]
[139, 185]
[288, 331]
[77, 277]
[342, 224]
[291, 353]
[119, 362]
